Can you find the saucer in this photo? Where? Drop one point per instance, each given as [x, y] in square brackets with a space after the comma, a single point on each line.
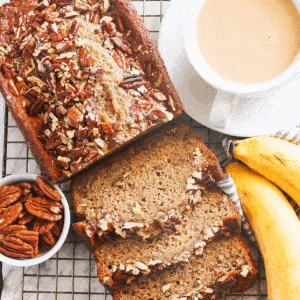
[253, 116]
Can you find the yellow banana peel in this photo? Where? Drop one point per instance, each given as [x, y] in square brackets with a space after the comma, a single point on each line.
[276, 159]
[276, 227]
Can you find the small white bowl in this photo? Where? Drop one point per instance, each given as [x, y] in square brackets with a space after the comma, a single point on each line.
[25, 262]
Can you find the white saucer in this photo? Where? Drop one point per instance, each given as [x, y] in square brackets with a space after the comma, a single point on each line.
[280, 110]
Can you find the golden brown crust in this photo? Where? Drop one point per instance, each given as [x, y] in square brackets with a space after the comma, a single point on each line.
[131, 19]
[29, 126]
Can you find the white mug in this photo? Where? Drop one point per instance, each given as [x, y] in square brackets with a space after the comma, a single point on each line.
[229, 93]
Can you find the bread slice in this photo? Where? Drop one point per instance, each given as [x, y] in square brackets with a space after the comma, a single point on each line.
[224, 267]
[81, 79]
[132, 256]
[142, 190]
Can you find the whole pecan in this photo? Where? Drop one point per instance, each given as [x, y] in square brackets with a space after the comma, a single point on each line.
[32, 94]
[96, 18]
[30, 237]
[10, 215]
[14, 254]
[48, 239]
[109, 27]
[76, 153]
[44, 208]
[47, 190]
[9, 195]
[16, 244]
[13, 228]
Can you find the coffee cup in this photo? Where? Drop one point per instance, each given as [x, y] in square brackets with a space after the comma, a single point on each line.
[278, 58]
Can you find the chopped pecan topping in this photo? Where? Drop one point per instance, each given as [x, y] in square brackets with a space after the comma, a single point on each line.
[76, 88]
[74, 28]
[119, 43]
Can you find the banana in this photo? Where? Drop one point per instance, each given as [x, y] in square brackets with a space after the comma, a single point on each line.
[274, 158]
[276, 227]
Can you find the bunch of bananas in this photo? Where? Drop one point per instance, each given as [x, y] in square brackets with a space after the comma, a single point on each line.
[272, 165]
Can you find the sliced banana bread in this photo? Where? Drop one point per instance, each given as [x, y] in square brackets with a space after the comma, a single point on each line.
[132, 256]
[224, 267]
[143, 189]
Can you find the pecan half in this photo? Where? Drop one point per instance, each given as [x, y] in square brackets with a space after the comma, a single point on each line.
[15, 243]
[47, 190]
[122, 45]
[56, 230]
[9, 195]
[132, 81]
[43, 226]
[10, 215]
[43, 208]
[13, 228]
[11, 253]
[48, 239]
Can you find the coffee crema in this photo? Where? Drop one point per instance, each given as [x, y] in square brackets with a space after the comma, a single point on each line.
[249, 41]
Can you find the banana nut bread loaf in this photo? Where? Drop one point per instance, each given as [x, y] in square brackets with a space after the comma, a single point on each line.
[224, 267]
[147, 188]
[81, 78]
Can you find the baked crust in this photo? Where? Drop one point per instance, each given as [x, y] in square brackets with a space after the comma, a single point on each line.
[32, 127]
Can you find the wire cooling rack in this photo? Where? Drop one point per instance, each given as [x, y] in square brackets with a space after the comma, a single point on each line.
[71, 273]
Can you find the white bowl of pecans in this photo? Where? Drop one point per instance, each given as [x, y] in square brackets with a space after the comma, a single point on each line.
[34, 219]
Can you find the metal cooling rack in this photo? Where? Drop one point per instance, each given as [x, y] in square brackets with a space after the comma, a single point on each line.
[71, 273]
